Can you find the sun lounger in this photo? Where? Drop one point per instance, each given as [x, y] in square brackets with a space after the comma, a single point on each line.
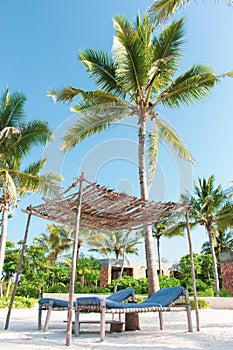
[51, 304]
[161, 301]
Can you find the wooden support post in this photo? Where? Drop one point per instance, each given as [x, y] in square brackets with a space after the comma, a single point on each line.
[77, 323]
[46, 325]
[102, 320]
[39, 317]
[18, 270]
[74, 263]
[161, 320]
[193, 273]
[188, 311]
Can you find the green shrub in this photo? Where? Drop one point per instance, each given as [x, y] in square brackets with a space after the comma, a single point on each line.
[165, 281]
[28, 290]
[202, 304]
[87, 289]
[140, 285]
[208, 292]
[19, 302]
[58, 288]
[224, 293]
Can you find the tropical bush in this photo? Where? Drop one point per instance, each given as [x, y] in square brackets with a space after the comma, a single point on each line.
[202, 304]
[141, 285]
[19, 302]
[225, 293]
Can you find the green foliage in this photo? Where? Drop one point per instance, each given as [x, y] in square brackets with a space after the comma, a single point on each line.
[202, 304]
[88, 272]
[208, 292]
[28, 289]
[225, 293]
[165, 281]
[59, 288]
[203, 272]
[19, 302]
[141, 285]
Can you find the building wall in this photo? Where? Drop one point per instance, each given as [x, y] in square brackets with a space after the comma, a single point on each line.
[227, 276]
[139, 272]
[226, 263]
[105, 276]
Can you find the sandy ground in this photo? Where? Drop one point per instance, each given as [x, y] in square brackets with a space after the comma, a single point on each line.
[216, 332]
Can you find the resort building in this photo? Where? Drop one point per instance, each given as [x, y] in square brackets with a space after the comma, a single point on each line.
[136, 268]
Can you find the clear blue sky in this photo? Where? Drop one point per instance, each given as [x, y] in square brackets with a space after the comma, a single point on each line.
[40, 41]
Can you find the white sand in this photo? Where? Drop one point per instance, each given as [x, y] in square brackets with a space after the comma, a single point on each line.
[216, 332]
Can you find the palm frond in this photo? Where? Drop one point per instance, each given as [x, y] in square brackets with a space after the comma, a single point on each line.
[32, 133]
[164, 9]
[29, 180]
[167, 51]
[152, 144]
[170, 136]
[129, 55]
[95, 99]
[65, 95]
[101, 67]
[7, 184]
[194, 85]
[11, 109]
[8, 132]
[92, 121]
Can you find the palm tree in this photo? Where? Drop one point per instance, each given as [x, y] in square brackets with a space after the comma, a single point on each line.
[164, 9]
[18, 136]
[223, 242]
[211, 208]
[165, 229]
[59, 240]
[136, 80]
[113, 242]
[117, 242]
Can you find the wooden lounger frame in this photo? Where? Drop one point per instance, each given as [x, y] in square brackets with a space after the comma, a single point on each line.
[102, 310]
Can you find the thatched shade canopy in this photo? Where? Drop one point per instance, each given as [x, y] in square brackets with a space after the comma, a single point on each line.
[104, 209]
[88, 205]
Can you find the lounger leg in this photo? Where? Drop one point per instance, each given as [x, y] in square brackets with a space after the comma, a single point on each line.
[102, 321]
[161, 320]
[77, 324]
[39, 317]
[48, 316]
[188, 310]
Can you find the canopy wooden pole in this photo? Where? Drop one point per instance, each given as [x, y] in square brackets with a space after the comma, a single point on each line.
[18, 270]
[193, 273]
[74, 263]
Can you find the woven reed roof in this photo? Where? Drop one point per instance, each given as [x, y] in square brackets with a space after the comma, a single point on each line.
[104, 209]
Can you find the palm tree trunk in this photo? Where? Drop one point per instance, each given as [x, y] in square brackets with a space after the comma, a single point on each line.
[159, 256]
[3, 241]
[214, 261]
[153, 282]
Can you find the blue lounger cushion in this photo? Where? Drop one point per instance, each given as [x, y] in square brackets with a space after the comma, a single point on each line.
[116, 297]
[164, 297]
[121, 295]
[56, 302]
